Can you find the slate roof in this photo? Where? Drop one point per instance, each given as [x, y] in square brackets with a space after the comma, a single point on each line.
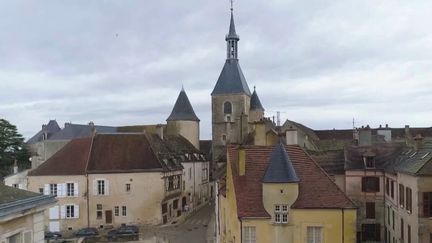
[414, 162]
[255, 103]
[232, 32]
[316, 190]
[124, 153]
[182, 110]
[72, 131]
[332, 161]
[231, 80]
[69, 160]
[386, 153]
[15, 201]
[280, 169]
[51, 128]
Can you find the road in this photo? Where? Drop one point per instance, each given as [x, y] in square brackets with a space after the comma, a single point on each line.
[197, 228]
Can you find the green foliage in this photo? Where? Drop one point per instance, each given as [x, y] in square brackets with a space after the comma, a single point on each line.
[12, 147]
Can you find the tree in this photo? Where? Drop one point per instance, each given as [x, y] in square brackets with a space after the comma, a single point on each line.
[12, 148]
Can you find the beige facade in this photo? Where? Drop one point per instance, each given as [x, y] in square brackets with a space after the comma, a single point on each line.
[25, 228]
[187, 129]
[405, 221]
[196, 189]
[133, 198]
[68, 214]
[43, 150]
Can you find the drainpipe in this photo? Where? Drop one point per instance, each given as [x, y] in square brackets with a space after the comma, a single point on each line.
[241, 230]
[194, 182]
[88, 202]
[343, 225]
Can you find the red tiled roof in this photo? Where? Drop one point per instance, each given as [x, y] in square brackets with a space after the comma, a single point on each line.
[316, 190]
[69, 160]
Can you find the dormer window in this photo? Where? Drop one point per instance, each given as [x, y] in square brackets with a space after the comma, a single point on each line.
[369, 162]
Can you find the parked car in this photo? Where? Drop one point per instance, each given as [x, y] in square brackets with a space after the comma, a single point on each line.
[87, 232]
[129, 232]
[52, 235]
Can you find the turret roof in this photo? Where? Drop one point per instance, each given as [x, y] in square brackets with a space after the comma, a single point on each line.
[182, 110]
[255, 103]
[280, 169]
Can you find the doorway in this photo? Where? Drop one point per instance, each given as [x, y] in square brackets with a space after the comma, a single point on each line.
[108, 216]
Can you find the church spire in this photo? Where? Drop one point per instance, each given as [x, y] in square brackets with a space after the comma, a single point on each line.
[232, 38]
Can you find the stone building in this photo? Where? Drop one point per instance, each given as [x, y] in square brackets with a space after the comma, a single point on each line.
[22, 215]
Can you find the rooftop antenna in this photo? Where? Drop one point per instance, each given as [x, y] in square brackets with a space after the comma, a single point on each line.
[278, 118]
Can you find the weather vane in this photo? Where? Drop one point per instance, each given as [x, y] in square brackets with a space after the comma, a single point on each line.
[232, 2]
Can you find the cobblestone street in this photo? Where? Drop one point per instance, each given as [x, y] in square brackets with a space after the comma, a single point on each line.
[198, 228]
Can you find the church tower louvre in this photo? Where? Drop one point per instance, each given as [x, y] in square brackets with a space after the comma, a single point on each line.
[231, 99]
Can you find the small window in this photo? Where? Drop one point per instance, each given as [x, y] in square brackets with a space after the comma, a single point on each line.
[314, 234]
[164, 208]
[98, 211]
[227, 107]
[224, 138]
[70, 211]
[281, 214]
[370, 162]
[249, 234]
[116, 211]
[371, 232]
[123, 210]
[401, 196]
[128, 187]
[175, 204]
[70, 189]
[53, 189]
[100, 187]
[370, 184]
[41, 190]
[408, 197]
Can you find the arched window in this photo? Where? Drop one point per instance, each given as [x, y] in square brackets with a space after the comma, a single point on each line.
[227, 107]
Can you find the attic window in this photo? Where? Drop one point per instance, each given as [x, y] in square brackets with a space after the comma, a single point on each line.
[369, 161]
[196, 156]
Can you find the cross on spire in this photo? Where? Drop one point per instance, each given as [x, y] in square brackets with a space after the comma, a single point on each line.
[232, 3]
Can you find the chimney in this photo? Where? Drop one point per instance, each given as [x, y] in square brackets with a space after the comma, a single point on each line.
[407, 131]
[241, 161]
[160, 130]
[418, 142]
[67, 124]
[15, 167]
[91, 123]
[291, 136]
[365, 136]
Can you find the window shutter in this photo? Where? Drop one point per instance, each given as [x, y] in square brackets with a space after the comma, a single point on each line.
[54, 212]
[76, 211]
[426, 212]
[95, 192]
[76, 191]
[60, 190]
[20, 186]
[364, 233]
[46, 189]
[106, 187]
[63, 212]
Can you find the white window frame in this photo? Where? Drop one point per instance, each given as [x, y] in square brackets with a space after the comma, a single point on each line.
[53, 189]
[70, 211]
[316, 234]
[116, 211]
[70, 189]
[249, 234]
[281, 214]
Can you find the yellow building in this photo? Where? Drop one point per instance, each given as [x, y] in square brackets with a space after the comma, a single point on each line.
[279, 194]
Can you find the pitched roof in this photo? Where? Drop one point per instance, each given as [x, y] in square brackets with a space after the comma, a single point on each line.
[386, 153]
[316, 190]
[72, 131]
[255, 103]
[69, 160]
[13, 200]
[50, 129]
[129, 152]
[182, 109]
[231, 80]
[280, 168]
[414, 162]
[332, 161]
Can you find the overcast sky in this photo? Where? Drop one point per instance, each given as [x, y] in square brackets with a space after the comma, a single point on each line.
[321, 63]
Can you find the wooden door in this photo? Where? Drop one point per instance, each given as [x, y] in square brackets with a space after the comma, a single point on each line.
[108, 216]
